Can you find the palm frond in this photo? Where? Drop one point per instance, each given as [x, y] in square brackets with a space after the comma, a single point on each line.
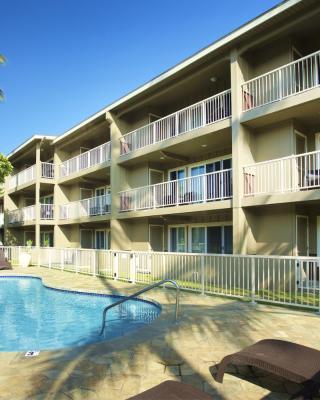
[2, 59]
[1, 95]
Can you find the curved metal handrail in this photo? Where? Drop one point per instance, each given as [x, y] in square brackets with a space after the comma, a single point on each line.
[154, 285]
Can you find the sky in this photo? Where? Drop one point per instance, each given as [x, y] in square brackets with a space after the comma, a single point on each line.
[67, 59]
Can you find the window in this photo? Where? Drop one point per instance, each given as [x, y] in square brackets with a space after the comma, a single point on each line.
[201, 239]
[101, 239]
[198, 239]
[46, 239]
[177, 239]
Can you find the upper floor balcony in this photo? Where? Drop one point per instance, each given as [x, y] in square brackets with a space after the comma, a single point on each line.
[283, 175]
[29, 175]
[205, 112]
[96, 156]
[28, 214]
[92, 207]
[192, 190]
[288, 80]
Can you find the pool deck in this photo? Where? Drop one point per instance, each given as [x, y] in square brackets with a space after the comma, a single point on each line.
[209, 328]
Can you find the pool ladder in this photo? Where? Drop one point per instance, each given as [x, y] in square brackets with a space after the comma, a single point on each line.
[150, 287]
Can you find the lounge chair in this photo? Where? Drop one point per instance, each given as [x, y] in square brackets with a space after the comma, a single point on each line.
[171, 390]
[4, 263]
[291, 361]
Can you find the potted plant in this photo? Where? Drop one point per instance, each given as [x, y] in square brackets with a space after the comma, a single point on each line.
[25, 256]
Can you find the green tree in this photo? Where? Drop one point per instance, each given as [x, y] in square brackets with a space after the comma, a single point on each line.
[2, 61]
[5, 169]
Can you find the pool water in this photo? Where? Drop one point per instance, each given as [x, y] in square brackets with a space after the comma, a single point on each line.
[34, 317]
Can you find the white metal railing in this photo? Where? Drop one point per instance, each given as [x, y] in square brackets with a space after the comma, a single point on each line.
[213, 109]
[27, 214]
[46, 211]
[29, 174]
[99, 205]
[47, 170]
[287, 174]
[282, 280]
[195, 189]
[288, 80]
[24, 214]
[97, 155]
[23, 177]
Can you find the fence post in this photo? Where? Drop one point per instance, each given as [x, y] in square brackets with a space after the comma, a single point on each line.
[94, 262]
[253, 281]
[39, 256]
[77, 261]
[62, 260]
[202, 274]
[132, 268]
[19, 252]
[116, 265]
[49, 261]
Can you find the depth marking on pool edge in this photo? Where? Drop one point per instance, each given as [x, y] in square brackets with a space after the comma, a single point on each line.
[32, 353]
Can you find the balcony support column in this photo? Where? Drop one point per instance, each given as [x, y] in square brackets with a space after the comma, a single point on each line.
[37, 195]
[242, 153]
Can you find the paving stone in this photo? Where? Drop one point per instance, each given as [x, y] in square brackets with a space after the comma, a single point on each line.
[210, 328]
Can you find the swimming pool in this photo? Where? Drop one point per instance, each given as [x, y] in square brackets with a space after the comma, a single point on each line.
[35, 317]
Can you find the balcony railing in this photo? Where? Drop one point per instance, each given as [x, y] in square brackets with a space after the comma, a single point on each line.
[205, 112]
[196, 189]
[47, 170]
[94, 206]
[97, 155]
[28, 214]
[288, 174]
[282, 82]
[46, 211]
[25, 214]
[23, 177]
[29, 174]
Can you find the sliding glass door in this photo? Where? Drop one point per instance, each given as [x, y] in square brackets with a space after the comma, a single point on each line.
[177, 237]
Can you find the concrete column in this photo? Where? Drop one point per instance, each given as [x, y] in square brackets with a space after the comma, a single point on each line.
[37, 194]
[120, 230]
[241, 154]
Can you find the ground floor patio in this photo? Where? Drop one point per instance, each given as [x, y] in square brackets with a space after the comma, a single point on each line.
[210, 327]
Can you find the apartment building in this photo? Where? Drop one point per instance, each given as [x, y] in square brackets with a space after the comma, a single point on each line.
[220, 154]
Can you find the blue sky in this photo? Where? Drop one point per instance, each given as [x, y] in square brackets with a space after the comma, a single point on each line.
[69, 58]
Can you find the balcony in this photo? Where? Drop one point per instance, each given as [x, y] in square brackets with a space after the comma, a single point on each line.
[28, 175]
[289, 174]
[204, 113]
[96, 156]
[197, 189]
[92, 207]
[28, 214]
[293, 78]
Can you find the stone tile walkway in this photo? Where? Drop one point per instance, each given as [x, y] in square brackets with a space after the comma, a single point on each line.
[209, 329]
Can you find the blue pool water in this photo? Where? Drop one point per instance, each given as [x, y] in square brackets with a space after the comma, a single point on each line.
[34, 317]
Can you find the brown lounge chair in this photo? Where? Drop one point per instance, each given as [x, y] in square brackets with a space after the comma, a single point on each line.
[4, 263]
[171, 390]
[291, 361]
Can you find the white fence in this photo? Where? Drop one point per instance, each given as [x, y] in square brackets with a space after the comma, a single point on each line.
[99, 205]
[97, 155]
[282, 82]
[195, 189]
[213, 109]
[288, 174]
[273, 279]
